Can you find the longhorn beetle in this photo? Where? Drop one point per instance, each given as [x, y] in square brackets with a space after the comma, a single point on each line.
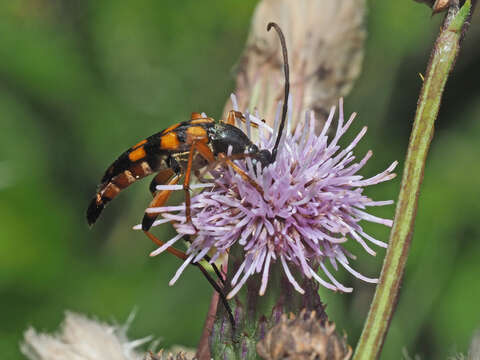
[177, 151]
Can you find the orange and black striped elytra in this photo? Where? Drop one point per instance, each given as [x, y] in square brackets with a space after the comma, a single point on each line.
[172, 153]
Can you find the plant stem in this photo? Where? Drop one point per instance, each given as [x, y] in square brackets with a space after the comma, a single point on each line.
[441, 63]
[203, 351]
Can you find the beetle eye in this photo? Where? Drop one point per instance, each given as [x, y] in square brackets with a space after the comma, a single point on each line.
[251, 149]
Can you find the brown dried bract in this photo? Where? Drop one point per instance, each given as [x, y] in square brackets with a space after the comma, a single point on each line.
[303, 338]
[441, 5]
[438, 5]
[167, 356]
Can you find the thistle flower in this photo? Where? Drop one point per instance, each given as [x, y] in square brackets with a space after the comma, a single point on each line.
[299, 211]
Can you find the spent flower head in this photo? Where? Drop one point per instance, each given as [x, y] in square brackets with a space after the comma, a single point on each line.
[299, 211]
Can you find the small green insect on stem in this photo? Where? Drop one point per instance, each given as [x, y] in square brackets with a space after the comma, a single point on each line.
[441, 63]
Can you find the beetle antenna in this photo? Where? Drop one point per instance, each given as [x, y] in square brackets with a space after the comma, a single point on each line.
[287, 85]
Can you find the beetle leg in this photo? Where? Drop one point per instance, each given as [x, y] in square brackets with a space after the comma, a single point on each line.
[186, 185]
[222, 158]
[159, 199]
[204, 151]
[196, 115]
[212, 165]
[208, 259]
[175, 252]
[161, 178]
[232, 114]
[228, 160]
[202, 148]
[181, 255]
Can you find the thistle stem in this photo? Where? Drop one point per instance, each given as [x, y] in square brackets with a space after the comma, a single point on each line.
[442, 59]
[203, 351]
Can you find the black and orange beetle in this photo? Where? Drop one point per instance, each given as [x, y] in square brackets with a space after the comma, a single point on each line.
[173, 153]
[177, 151]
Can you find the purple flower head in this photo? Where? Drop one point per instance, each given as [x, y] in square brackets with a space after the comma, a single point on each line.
[299, 211]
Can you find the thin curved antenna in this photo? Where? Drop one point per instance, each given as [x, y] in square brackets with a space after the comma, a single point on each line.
[287, 85]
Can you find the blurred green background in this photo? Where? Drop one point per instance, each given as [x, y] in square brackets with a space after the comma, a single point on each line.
[80, 81]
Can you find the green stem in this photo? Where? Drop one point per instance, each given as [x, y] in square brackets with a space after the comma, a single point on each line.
[441, 63]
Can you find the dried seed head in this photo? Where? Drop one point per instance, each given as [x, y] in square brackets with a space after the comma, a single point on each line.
[325, 43]
[303, 337]
[81, 338]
